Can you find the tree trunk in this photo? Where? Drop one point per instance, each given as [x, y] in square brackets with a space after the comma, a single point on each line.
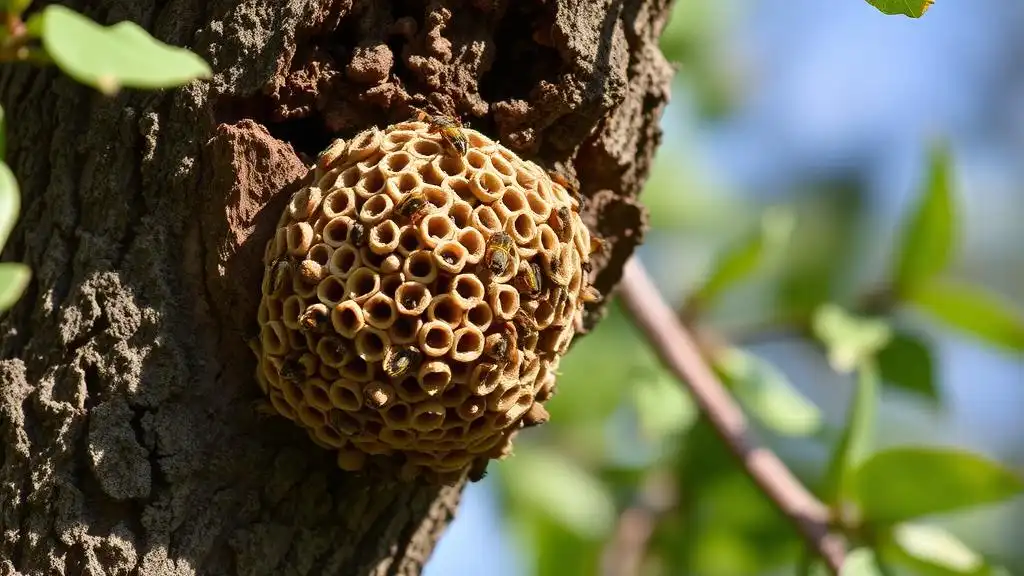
[129, 445]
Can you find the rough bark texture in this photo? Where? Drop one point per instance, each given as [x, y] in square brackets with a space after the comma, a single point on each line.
[127, 440]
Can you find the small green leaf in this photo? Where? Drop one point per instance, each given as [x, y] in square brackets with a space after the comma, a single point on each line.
[907, 363]
[929, 230]
[912, 8]
[903, 483]
[849, 339]
[744, 258]
[932, 551]
[10, 203]
[124, 54]
[857, 438]
[34, 25]
[861, 562]
[768, 394]
[14, 277]
[972, 309]
[565, 492]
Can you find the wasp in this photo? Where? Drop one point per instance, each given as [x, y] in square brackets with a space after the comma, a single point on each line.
[598, 245]
[401, 362]
[501, 344]
[559, 296]
[292, 369]
[357, 234]
[478, 469]
[414, 207]
[528, 281]
[525, 325]
[589, 294]
[498, 254]
[498, 347]
[554, 269]
[450, 129]
[279, 272]
[449, 258]
[410, 302]
[564, 225]
[535, 416]
[314, 318]
[561, 180]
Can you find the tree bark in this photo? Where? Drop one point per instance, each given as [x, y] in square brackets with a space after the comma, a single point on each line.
[129, 445]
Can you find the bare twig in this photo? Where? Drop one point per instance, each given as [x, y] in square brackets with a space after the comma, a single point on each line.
[624, 554]
[681, 354]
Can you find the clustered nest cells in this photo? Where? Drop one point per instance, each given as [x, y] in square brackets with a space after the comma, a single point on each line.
[418, 297]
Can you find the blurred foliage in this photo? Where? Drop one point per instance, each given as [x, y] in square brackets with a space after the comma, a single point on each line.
[782, 272]
[106, 58]
[693, 41]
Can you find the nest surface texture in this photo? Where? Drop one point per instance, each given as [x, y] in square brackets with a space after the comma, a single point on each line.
[418, 297]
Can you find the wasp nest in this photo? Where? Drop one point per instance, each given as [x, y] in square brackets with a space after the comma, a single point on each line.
[418, 297]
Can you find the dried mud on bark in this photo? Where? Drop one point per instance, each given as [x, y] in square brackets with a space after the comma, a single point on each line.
[127, 440]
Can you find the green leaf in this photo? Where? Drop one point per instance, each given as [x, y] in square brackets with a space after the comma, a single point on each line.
[907, 363]
[124, 54]
[849, 339]
[744, 258]
[768, 394]
[912, 8]
[861, 562]
[14, 7]
[972, 309]
[567, 493]
[929, 230]
[932, 551]
[903, 483]
[10, 203]
[14, 277]
[857, 438]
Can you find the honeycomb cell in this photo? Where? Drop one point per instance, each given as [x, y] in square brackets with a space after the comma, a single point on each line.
[416, 302]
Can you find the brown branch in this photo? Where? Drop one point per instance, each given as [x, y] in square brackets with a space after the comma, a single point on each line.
[681, 354]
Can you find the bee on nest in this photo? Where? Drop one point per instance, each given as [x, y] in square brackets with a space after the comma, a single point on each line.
[449, 127]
